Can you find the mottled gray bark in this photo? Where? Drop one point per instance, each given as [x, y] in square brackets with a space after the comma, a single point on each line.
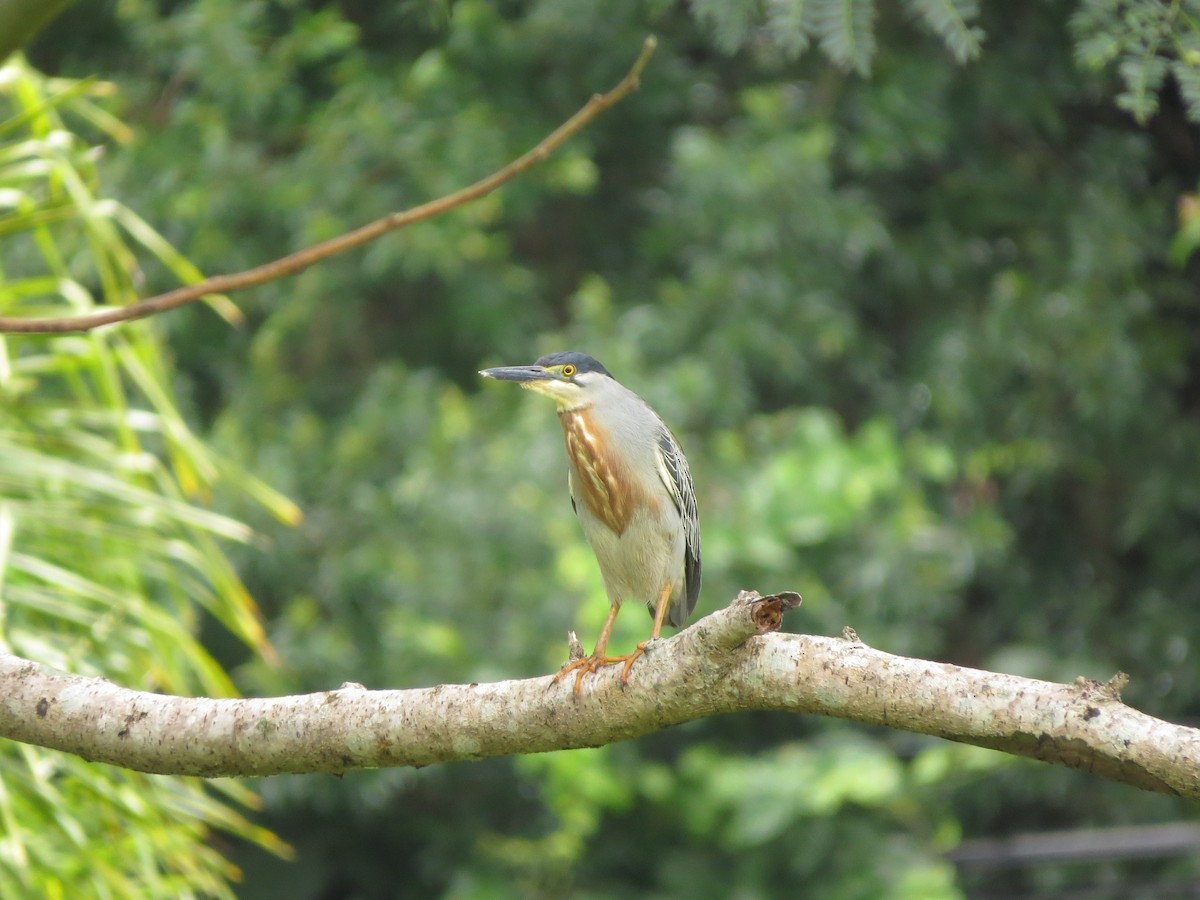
[727, 662]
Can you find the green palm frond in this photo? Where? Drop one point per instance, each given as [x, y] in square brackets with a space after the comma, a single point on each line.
[109, 557]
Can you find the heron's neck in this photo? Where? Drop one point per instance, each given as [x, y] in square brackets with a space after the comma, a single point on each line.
[568, 407]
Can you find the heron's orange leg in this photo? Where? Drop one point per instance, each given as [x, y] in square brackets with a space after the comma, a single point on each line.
[593, 663]
[660, 613]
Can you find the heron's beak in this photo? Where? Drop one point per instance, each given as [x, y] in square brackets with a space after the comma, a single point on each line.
[518, 373]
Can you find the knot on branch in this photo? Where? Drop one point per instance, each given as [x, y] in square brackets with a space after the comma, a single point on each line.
[767, 612]
[1108, 690]
[574, 647]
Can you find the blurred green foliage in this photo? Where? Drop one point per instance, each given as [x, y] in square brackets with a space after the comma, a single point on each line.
[1148, 41]
[930, 337]
[109, 557]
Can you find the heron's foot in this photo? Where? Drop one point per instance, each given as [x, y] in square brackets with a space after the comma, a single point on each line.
[631, 658]
[589, 665]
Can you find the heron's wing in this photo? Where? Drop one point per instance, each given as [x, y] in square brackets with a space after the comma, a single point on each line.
[673, 470]
[571, 491]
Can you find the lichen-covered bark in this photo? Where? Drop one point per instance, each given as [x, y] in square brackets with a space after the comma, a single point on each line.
[726, 662]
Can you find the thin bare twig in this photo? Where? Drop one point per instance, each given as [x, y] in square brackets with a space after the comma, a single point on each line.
[302, 259]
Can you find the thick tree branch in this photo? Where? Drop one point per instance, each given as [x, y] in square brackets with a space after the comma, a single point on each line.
[302, 259]
[726, 662]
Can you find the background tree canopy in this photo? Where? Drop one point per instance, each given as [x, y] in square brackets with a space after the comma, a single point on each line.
[913, 284]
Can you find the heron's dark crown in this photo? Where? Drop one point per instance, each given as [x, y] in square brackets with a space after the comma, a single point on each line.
[581, 361]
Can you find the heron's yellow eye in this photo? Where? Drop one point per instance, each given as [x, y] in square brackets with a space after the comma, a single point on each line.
[568, 370]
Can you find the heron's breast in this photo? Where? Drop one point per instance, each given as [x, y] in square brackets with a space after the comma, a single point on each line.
[603, 482]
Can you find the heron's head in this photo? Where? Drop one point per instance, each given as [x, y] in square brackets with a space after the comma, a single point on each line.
[567, 377]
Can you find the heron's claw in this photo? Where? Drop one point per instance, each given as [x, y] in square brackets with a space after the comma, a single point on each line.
[589, 665]
[630, 659]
